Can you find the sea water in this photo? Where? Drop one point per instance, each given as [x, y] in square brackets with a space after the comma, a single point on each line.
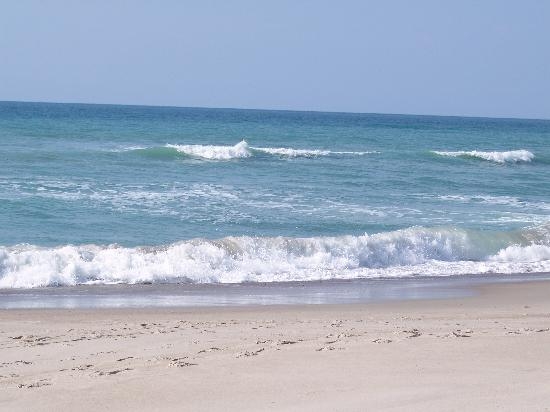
[94, 194]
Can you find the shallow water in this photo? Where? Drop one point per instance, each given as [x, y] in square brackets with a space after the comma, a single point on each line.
[253, 294]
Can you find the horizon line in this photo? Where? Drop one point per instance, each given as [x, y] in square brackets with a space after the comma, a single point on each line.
[277, 110]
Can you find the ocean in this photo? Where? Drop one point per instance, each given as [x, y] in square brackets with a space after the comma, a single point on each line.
[103, 194]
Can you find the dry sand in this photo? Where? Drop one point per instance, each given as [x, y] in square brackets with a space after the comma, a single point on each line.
[488, 352]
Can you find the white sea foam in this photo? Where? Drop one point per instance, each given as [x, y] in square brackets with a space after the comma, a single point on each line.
[224, 203]
[241, 150]
[526, 254]
[505, 201]
[409, 252]
[210, 152]
[513, 156]
[289, 152]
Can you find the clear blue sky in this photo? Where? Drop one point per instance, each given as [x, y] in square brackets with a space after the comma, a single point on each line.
[481, 58]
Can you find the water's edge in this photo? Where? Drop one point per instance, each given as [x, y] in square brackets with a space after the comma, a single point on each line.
[253, 294]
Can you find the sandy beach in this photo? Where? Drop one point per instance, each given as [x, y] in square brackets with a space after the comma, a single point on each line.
[485, 352]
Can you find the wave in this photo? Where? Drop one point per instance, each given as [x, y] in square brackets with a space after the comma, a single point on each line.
[239, 151]
[409, 252]
[513, 156]
[210, 152]
[288, 152]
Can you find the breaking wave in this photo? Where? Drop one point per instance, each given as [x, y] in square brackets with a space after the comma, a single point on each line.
[287, 152]
[513, 156]
[414, 251]
[239, 151]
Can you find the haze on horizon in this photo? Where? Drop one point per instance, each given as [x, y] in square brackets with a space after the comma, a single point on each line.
[466, 58]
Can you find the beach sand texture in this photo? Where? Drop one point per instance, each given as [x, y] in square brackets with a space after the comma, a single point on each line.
[487, 352]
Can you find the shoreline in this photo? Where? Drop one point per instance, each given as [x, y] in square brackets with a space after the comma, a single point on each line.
[485, 351]
[327, 292]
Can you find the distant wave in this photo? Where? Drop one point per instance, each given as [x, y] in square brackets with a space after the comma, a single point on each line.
[210, 152]
[415, 251]
[513, 156]
[287, 152]
[239, 151]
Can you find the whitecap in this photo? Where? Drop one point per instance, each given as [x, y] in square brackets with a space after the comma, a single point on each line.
[513, 156]
[211, 152]
[289, 152]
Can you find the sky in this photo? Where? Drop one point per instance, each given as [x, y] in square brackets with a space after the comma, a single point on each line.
[472, 58]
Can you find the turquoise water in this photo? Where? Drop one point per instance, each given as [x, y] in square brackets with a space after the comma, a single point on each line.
[102, 194]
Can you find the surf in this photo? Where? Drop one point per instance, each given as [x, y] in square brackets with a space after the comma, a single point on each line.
[512, 156]
[415, 251]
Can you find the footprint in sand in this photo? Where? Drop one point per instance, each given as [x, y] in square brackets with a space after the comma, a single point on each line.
[37, 384]
[252, 353]
[181, 362]
[113, 372]
[380, 340]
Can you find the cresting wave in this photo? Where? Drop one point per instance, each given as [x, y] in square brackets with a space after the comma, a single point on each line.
[281, 151]
[239, 151]
[409, 252]
[513, 156]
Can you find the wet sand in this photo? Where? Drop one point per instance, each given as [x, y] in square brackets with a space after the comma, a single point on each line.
[487, 350]
[246, 294]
